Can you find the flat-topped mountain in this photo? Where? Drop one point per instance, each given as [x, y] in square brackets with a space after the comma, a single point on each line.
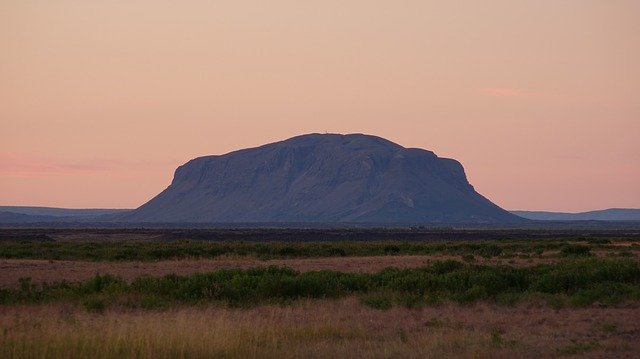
[322, 178]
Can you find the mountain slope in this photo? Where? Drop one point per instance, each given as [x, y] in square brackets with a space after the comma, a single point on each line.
[611, 214]
[322, 178]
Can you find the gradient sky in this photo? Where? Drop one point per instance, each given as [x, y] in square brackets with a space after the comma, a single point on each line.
[101, 100]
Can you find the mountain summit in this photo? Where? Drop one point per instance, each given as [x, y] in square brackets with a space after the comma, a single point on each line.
[322, 178]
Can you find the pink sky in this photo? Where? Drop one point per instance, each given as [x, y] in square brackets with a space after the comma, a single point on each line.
[539, 100]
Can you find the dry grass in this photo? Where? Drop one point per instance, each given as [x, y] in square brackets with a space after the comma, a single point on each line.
[307, 328]
[321, 329]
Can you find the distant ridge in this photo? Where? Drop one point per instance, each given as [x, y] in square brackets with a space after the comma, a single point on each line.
[60, 212]
[609, 218]
[329, 178]
[611, 214]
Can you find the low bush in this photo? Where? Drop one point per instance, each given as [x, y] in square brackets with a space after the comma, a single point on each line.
[94, 305]
[576, 250]
[377, 300]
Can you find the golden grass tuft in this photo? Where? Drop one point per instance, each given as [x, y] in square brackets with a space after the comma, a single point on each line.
[269, 332]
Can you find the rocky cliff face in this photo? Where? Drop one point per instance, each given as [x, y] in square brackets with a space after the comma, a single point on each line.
[322, 178]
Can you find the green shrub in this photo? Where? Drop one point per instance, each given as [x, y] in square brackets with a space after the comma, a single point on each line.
[578, 348]
[377, 300]
[608, 327]
[599, 241]
[489, 251]
[391, 249]
[435, 323]
[443, 267]
[477, 292]
[556, 302]
[410, 300]
[496, 337]
[508, 298]
[576, 250]
[94, 305]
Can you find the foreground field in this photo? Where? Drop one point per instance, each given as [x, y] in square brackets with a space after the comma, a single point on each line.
[155, 294]
[321, 329]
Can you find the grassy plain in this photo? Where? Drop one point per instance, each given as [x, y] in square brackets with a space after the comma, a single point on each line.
[154, 294]
[320, 329]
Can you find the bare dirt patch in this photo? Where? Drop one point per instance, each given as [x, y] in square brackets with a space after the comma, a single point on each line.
[623, 244]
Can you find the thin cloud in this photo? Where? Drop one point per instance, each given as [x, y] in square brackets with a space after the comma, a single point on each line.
[509, 92]
[12, 164]
[24, 165]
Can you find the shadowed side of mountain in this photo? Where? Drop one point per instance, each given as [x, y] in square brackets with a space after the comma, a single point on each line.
[322, 178]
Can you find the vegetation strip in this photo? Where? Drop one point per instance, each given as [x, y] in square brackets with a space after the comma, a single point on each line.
[575, 282]
[157, 250]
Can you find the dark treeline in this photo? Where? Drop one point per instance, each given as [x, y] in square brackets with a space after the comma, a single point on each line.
[309, 234]
[121, 250]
